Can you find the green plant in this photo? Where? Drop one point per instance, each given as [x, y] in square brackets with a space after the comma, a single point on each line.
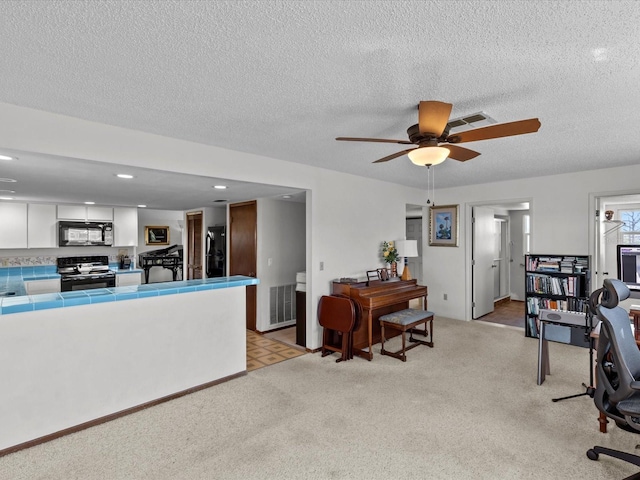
[389, 252]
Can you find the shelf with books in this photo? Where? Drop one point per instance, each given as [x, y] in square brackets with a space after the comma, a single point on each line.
[556, 282]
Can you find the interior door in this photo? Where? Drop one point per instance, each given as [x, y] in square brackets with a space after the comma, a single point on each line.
[482, 261]
[243, 246]
[194, 245]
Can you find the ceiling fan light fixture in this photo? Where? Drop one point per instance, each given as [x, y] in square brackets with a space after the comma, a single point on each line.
[428, 155]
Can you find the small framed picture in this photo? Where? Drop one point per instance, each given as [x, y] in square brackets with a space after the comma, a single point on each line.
[156, 235]
[443, 226]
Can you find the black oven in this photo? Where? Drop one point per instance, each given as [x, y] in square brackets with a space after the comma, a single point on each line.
[70, 283]
[85, 273]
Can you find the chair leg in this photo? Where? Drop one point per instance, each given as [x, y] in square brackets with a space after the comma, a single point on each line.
[595, 452]
[325, 334]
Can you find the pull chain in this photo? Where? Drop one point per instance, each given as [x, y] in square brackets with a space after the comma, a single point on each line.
[431, 185]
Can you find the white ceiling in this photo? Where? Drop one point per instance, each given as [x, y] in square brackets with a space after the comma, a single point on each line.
[284, 78]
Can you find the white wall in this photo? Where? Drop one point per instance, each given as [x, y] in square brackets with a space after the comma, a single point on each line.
[281, 239]
[346, 218]
[562, 216]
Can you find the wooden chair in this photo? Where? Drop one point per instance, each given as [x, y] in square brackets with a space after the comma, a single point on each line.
[337, 316]
[407, 321]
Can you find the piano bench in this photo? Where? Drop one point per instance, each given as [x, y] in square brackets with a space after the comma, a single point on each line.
[407, 321]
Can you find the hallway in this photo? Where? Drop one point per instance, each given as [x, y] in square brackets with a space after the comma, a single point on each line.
[509, 313]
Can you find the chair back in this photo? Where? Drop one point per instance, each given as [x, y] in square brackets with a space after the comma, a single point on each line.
[618, 360]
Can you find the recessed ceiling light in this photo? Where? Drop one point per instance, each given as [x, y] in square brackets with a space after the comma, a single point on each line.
[8, 180]
[6, 157]
[142, 206]
[89, 203]
[220, 187]
[6, 198]
[7, 191]
[286, 196]
[124, 175]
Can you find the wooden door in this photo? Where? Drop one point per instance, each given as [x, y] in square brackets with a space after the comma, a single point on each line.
[243, 245]
[194, 245]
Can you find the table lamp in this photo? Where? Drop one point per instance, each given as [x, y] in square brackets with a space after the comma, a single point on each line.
[406, 249]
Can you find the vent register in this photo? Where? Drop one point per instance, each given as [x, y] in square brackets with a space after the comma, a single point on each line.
[282, 304]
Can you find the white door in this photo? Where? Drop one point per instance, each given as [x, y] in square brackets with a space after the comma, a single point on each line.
[414, 232]
[482, 261]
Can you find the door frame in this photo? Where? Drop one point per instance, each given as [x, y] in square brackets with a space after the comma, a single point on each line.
[468, 238]
[594, 231]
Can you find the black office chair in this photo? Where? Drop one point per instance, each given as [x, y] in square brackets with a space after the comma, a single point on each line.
[617, 392]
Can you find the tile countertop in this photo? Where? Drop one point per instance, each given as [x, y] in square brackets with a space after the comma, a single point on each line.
[12, 278]
[27, 303]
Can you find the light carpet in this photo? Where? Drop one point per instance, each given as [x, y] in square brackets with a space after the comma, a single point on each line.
[469, 408]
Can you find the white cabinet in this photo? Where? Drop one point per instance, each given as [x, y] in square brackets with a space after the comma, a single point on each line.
[42, 226]
[13, 218]
[85, 213]
[124, 279]
[35, 287]
[72, 212]
[99, 213]
[125, 227]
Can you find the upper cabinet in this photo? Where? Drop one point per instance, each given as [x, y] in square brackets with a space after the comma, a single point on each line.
[42, 226]
[13, 217]
[125, 227]
[90, 213]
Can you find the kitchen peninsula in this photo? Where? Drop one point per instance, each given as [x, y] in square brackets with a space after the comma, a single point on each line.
[74, 359]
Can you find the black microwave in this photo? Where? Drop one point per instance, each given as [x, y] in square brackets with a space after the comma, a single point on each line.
[72, 234]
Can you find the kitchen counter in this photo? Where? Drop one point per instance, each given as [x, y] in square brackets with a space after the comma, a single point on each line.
[114, 350]
[20, 302]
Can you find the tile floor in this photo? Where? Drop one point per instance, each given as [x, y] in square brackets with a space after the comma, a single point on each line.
[263, 351]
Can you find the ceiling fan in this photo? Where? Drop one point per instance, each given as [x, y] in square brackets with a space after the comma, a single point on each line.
[432, 130]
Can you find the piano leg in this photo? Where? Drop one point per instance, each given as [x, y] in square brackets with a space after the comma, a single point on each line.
[146, 274]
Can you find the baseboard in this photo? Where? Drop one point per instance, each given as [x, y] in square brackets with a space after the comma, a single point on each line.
[113, 416]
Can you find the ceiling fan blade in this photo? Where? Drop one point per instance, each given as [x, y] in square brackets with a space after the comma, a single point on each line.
[496, 131]
[394, 155]
[380, 140]
[433, 117]
[460, 153]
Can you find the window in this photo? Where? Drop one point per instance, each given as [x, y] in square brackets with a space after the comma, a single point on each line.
[526, 234]
[630, 230]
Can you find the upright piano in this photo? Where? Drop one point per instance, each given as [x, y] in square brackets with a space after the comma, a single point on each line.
[169, 258]
[378, 298]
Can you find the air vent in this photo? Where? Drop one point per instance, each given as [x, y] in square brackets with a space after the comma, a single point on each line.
[474, 120]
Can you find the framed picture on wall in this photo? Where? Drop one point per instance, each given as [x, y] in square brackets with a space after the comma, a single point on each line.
[156, 235]
[443, 226]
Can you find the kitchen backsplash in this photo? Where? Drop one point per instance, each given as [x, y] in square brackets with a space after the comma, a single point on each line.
[39, 260]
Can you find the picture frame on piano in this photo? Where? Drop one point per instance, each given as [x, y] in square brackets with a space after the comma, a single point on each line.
[443, 226]
[154, 235]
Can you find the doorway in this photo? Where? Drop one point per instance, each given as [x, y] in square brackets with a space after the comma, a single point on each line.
[414, 231]
[620, 228]
[194, 245]
[497, 261]
[243, 248]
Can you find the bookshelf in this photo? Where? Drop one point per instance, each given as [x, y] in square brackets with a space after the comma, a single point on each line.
[556, 282]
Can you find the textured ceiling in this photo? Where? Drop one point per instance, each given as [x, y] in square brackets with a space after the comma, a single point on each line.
[284, 78]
